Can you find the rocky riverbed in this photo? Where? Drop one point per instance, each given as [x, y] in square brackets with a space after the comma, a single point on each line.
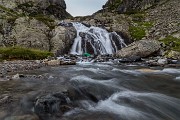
[12, 70]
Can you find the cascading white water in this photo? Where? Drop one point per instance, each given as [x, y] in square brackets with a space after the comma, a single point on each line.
[98, 39]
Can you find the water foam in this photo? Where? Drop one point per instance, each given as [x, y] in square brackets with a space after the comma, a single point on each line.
[177, 78]
[97, 38]
[83, 78]
[171, 70]
[154, 101]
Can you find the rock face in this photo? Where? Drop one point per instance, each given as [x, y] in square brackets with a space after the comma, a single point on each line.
[128, 6]
[30, 33]
[57, 8]
[142, 48]
[63, 38]
[135, 5]
[32, 24]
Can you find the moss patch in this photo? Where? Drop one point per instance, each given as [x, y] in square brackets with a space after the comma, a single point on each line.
[11, 53]
[137, 33]
[139, 26]
[172, 42]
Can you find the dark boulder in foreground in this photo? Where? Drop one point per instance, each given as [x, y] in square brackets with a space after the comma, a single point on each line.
[142, 48]
[53, 104]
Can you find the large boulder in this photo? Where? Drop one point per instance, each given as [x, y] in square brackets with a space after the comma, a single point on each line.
[142, 48]
[63, 39]
[57, 103]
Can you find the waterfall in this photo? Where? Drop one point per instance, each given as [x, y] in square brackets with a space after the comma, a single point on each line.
[95, 40]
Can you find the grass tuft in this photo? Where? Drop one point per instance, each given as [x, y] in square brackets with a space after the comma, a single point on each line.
[20, 53]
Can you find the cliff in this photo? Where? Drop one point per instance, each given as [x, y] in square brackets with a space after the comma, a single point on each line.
[31, 23]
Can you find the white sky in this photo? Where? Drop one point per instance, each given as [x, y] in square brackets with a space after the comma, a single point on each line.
[84, 7]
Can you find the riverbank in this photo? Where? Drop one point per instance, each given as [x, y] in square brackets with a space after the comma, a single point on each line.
[17, 66]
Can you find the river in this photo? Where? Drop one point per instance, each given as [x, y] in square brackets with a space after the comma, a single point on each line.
[120, 92]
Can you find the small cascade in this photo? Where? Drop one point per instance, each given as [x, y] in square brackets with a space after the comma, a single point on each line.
[95, 40]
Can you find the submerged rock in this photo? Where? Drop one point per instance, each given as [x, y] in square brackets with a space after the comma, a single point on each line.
[57, 103]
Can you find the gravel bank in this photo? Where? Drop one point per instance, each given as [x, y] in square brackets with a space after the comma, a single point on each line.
[19, 65]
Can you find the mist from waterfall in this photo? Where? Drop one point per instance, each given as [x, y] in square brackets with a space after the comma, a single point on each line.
[95, 40]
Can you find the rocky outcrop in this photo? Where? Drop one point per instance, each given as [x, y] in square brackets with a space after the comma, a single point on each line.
[30, 33]
[32, 24]
[130, 6]
[142, 48]
[55, 8]
[63, 38]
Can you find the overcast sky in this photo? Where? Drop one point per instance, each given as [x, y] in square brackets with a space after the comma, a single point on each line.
[84, 7]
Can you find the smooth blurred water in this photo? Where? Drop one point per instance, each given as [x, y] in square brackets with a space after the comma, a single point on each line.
[124, 92]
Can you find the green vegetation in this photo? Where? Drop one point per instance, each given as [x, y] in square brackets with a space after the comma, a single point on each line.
[139, 26]
[137, 33]
[172, 42]
[11, 53]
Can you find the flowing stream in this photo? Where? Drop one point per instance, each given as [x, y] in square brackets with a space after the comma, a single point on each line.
[125, 92]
